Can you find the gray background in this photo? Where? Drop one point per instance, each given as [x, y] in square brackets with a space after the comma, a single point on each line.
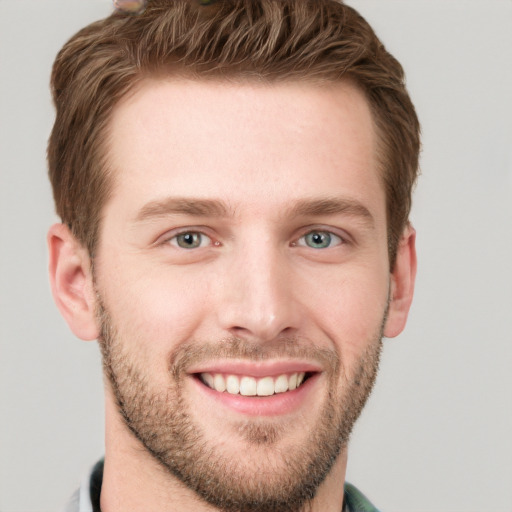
[435, 436]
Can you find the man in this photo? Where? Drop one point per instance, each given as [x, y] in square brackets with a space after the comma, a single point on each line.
[234, 181]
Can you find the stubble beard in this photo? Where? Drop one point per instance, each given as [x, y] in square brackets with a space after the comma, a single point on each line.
[161, 420]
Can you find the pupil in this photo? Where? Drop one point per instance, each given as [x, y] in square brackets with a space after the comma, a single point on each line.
[319, 240]
[189, 240]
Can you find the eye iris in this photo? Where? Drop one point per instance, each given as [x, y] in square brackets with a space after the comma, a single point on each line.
[318, 239]
[189, 240]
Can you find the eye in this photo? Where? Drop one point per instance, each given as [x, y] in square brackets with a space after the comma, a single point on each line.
[190, 240]
[319, 240]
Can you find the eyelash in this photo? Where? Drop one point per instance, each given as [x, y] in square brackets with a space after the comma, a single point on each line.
[323, 232]
[174, 239]
[299, 242]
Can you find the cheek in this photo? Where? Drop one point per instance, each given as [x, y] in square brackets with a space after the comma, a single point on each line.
[350, 307]
[153, 311]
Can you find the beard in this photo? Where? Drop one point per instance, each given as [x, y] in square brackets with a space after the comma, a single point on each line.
[272, 473]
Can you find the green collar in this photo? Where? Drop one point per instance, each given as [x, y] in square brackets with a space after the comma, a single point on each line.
[356, 501]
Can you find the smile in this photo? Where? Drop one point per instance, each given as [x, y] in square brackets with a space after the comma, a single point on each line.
[251, 386]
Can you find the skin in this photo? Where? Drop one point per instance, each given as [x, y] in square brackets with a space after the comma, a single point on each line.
[132, 6]
[270, 155]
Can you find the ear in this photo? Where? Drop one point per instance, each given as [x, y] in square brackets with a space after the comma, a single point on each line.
[71, 282]
[402, 283]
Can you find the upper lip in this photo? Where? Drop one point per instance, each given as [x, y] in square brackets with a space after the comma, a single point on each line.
[255, 368]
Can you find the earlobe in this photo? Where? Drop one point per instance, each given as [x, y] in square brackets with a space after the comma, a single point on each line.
[71, 282]
[402, 284]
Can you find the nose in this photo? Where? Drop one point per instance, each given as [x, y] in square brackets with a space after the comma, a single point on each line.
[258, 302]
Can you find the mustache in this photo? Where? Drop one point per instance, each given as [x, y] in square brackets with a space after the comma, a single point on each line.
[197, 352]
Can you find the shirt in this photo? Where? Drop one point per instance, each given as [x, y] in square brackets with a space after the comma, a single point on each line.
[87, 497]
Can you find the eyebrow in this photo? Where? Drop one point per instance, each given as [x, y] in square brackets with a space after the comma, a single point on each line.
[198, 207]
[182, 206]
[332, 206]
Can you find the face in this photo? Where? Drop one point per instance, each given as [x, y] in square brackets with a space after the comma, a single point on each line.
[243, 281]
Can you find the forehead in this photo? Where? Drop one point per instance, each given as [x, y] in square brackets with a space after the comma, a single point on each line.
[245, 142]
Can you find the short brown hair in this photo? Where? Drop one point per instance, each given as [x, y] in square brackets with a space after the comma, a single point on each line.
[316, 40]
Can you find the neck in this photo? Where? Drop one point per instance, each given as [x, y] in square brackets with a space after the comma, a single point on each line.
[134, 480]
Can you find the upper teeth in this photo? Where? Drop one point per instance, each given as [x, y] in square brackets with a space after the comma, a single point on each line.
[250, 386]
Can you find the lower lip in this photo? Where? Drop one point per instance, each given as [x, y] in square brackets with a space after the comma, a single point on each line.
[279, 404]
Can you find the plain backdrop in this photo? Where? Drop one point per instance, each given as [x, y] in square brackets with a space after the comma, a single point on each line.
[436, 434]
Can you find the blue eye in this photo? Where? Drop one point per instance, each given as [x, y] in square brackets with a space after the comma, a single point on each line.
[190, 240]
[319, 240]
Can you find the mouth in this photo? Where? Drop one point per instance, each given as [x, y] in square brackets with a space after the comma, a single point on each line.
[246, 385]
[268, 388]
